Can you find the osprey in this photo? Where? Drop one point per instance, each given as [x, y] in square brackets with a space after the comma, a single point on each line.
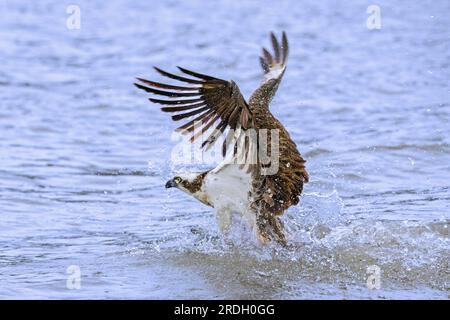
[247, 181]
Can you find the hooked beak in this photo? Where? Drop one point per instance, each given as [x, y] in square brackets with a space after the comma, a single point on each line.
[170, 184]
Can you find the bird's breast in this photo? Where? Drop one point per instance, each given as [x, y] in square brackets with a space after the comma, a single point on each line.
[228, 188]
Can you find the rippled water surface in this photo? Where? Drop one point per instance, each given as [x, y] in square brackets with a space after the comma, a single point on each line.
[84, 156]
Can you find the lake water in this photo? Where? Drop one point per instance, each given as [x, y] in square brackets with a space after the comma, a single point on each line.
[84, 156]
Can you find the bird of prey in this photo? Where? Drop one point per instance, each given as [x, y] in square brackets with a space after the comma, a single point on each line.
[242, 183]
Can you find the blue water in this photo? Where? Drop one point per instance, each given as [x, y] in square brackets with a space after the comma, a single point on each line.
[84, 156]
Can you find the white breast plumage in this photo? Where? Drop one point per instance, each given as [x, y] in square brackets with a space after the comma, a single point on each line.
[228, 191]
[228, 187]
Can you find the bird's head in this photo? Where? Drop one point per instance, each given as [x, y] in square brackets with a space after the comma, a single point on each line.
[174, 182]
[190, 183]
[187, 182]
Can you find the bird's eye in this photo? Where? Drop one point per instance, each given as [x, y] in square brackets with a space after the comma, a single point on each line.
[177, 179]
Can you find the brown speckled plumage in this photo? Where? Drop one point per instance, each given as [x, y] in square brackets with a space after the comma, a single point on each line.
[195, 185]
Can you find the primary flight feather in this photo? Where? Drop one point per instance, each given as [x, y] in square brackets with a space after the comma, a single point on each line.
[250, 181]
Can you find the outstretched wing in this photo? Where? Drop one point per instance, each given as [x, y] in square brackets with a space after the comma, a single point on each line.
[274, 66]
[214, 103]
[273, 194]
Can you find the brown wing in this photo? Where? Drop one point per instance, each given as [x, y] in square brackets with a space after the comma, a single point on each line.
[274, 67]
[211, 101]
[274, 193]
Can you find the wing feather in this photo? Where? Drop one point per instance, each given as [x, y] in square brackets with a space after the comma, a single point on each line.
[190, 126]
[167, 93]
[166, 86]
[189, 114]
[273, 67]
[198, 75]
[178, 102]
[183, 108]
[175, 77]
[216, 104]
[276, 47]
